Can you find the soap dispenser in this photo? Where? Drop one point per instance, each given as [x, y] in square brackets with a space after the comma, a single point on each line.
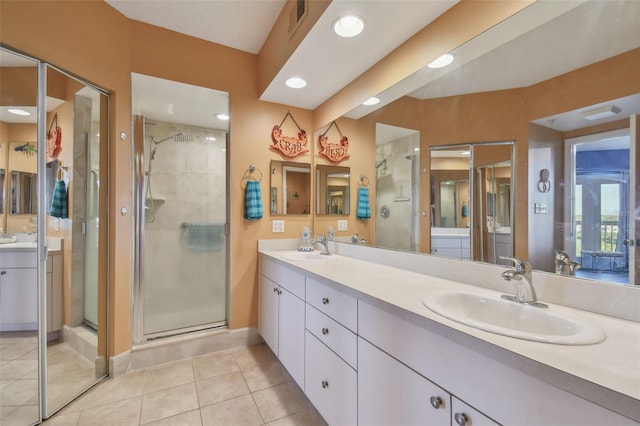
[305, 240]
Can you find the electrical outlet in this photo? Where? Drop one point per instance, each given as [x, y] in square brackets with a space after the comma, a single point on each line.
[277, 226]
[342, 225]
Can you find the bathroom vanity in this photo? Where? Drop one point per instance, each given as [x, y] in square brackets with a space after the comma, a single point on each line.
[19, 287]
[357, 339]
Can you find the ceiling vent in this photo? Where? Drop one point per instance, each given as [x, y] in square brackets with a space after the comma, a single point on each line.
[297, 14]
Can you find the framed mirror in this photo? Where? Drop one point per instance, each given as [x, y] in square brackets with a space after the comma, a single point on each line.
[23, 190]
[2, 194]
[290, 190]
[332, 190]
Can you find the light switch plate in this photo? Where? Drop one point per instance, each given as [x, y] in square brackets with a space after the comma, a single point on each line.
[342, 225]
[541, 208]
[277, 226]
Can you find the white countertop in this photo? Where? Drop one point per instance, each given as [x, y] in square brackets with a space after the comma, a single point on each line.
[611, 369]
[54, 244]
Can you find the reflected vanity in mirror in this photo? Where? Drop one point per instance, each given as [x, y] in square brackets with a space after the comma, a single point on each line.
[290, 188]
[332, 190]
[2, 184]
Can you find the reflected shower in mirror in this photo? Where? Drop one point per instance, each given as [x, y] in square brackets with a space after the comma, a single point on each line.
[290, 188]
[332, 190]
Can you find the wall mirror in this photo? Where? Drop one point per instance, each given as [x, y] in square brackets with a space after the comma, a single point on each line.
[20, 392]
[539, 99]
[290, 191]
[2, 183]
[23, 190]
[332, 190]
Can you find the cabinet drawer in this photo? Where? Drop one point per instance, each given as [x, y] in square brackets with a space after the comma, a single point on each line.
[19, 259]
[339, 338]
[284, 276]
[330, 384]
[339, 306]
[465, 415]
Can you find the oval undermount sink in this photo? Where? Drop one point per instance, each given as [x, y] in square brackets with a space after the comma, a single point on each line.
[513, 319]
[307, 256]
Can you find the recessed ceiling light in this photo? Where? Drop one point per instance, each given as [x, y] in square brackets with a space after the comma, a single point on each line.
[442, 61]
[18, 111]
[371, 101]
[605, 111]
[296, 83]
[222, 116]
[348, 26]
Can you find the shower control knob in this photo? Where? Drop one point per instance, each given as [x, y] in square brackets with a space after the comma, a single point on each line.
[3, 273]
[123, 211]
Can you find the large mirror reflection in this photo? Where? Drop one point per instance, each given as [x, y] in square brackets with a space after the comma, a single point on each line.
[332, 190]
[542, 86]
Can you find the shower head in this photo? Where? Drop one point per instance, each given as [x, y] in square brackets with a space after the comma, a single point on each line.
[167, 138]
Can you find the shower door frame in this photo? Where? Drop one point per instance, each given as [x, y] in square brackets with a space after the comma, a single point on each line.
[137, 319]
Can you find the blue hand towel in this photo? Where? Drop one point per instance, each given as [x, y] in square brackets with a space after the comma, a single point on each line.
[253, 201]
[59, 203]
[364, 210]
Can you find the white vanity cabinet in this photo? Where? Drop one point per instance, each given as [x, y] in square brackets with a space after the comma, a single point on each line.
[282, 315]
[455, 247]
[390, 393]
[18, 291]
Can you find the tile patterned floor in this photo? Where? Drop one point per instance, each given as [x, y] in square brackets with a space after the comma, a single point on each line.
[245, 386]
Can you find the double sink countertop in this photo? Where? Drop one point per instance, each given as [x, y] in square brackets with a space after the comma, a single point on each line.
[606, 373]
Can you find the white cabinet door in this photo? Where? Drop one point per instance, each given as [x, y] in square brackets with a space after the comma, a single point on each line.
[291, 335]
[465, 415]
[330, 384]
[269, 313]
[18, 299]
[390, 393]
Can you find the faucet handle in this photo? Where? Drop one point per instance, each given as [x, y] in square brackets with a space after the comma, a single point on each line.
[520, 264]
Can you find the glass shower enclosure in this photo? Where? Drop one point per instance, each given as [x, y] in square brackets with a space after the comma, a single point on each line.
[181, 209]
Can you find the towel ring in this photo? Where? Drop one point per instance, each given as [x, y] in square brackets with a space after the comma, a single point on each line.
[252, 169]
[363, 181]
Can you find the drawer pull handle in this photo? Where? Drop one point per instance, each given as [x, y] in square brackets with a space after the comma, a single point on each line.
[325, 384]
[3, 273]
[275, 290]
[325, 300]
[436, 402]
[461, 418]
[325, 331]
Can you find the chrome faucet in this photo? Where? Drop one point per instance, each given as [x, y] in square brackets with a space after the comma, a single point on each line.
[355, 239]
[323, 241]
[564, 264]
[524, 292]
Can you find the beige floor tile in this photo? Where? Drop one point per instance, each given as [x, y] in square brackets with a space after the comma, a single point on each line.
[190, 418]
[309, 417]
[18, 392]
[63, 419]
[251, 356]
[166, 376]
[221, 387]
[265, 375]
[121, 413]
[17, 350]
[214, 364]
[112, 390]
[23, 415]
[280, 401]
[19, 369]
[240, 411]
[168, 402]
